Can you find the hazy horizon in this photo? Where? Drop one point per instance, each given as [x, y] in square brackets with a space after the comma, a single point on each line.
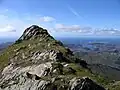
[76, 40]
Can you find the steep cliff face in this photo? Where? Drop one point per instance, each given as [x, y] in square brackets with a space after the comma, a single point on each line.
[36, 61]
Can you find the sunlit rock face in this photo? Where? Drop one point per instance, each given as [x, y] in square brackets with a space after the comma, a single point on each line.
[34, 32]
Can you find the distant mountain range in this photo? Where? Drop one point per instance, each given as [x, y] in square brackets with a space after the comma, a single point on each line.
[99, 53]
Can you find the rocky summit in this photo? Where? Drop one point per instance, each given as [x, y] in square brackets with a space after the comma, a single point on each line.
[36, 61]
[34, 32]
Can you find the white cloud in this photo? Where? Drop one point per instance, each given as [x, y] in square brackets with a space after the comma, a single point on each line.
[7, 29]
[106, 32]
[73, 11]
[85, 30]
[67, 28]
[73, 28]
[47, 19]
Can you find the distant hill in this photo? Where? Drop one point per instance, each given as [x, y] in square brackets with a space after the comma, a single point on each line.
[97, 53]
[5, 45]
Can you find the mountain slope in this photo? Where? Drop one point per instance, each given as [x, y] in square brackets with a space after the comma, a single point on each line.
[36, 61]
[106, 71]
[23, 48]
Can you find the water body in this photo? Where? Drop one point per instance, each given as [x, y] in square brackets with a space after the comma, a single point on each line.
[77, 40]
[4, 40]
[86, 40]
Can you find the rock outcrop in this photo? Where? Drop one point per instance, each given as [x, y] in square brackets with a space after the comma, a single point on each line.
[84, 84]
[34, 32]
[36, 61]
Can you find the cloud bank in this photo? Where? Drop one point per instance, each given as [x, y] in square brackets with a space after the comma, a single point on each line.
[67, 28]
[86, 30]
[7, 29]
[47, 19]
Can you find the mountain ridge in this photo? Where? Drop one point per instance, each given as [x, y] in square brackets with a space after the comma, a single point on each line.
[36, 61]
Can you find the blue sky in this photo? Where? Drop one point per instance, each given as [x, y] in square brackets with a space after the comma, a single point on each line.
[62, 18]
